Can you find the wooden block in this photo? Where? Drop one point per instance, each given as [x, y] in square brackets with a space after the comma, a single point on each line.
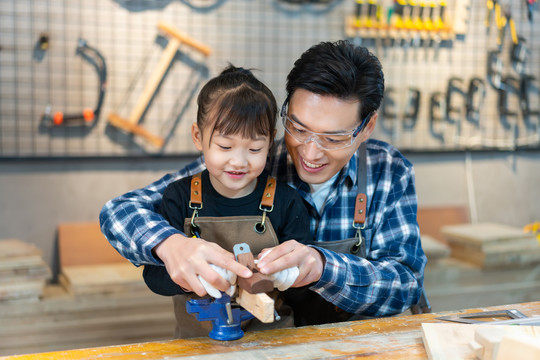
[84, 244]
[487, 234]
[39, 271]
[258, 283]
[521, 347]
[477, 349]
[451, 340]
[447, 341]
[18, 254]
[101, 279]
[29, 289]
[497, 256]
[490, 245]
[260, 305]
[489, 338]
[23, 273]
[247, 260]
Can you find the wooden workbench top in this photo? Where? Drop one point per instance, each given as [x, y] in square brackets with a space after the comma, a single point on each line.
[384, 338]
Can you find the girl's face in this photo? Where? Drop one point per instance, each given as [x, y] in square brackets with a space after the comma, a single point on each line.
[234, 162]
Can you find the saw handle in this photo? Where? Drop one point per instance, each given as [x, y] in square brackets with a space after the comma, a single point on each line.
[168, 29]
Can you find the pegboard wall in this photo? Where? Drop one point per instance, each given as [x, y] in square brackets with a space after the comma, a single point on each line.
[49, 64]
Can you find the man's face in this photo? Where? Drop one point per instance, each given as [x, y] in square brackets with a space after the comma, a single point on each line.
[323, 114]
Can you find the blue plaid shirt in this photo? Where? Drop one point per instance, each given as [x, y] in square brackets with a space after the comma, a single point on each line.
[388, 281]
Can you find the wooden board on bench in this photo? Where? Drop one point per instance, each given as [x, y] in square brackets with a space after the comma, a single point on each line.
[90, 265]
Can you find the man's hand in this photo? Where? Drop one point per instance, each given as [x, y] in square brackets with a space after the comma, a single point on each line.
[187, 258]
[289, 254]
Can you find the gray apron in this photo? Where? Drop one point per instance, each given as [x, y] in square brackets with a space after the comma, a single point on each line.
[309, 307]
[227, 232]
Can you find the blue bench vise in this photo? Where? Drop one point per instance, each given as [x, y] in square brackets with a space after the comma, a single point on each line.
[226, 320]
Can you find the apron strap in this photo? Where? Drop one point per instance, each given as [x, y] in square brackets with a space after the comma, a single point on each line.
[359, 221]
[267, 201]
[195, 201]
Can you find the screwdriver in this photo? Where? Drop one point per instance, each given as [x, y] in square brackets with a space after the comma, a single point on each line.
[359, 13]
[490, 4]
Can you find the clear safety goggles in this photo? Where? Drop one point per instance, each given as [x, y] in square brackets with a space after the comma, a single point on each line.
[327, 141]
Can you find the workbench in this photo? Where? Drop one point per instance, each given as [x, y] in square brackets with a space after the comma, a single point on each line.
[383, 338]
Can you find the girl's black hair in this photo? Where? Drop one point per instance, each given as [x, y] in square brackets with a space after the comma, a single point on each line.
[236, 102]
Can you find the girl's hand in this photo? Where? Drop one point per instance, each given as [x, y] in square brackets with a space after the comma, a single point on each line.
[188, 258]
[289, 254]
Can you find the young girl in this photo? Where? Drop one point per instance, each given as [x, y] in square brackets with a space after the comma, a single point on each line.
[233, 200]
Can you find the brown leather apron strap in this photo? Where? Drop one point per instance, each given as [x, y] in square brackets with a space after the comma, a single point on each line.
[195, 201]
[360, 210]
[267, 201]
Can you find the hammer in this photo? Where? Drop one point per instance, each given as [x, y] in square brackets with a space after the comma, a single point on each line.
[131, 124]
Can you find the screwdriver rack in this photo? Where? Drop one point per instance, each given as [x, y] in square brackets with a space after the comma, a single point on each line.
[407, 20]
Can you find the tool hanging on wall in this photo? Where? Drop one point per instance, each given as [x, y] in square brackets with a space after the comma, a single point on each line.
[437, 115]
[41, 46]
[490, 5]
[412, 107]
[88, 117]
[530, 8]
[453, 112]
[359, 18]
[43, 41]
[475, 99]
[408, 24]
[518, 55]
[504, 20]
[494, 69]
[388, 113]
[131, 124]
[510, 85]
[526, 87]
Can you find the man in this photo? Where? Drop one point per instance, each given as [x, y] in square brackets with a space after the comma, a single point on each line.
[352, 269]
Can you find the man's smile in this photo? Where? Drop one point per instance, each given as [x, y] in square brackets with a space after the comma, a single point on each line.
[311, 166]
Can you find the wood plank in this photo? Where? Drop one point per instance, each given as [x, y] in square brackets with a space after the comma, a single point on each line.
[10, 248]
[84, 244]
[499, 256]
[16, 254]
[388, 338]
[21, 290]
[40, 270]
[522, 348]
[491, 245]
[448, 341]
[23, 273]
[99, 279]
[487, 234]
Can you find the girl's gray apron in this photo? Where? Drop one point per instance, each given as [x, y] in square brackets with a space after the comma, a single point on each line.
[226, 232]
